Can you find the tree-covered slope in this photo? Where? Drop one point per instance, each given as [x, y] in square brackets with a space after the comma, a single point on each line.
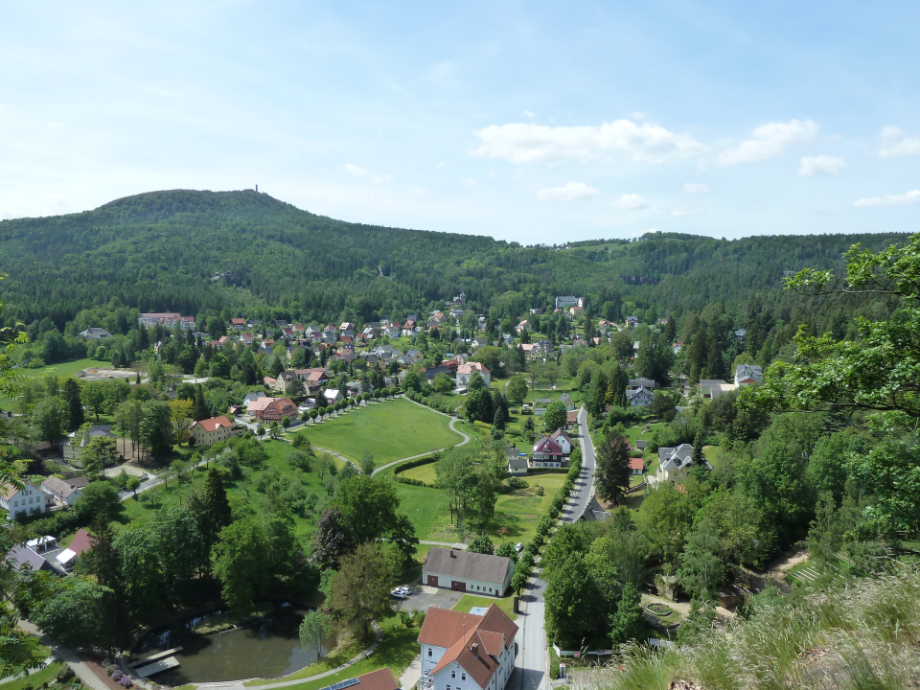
[162, 251]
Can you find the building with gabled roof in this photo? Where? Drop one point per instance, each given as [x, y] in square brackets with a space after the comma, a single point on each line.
[209, 431]
[748, 375]
[547, 453]
[464, 571]
[466, 651]
[465, 373]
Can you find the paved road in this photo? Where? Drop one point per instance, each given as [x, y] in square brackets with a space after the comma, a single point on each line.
[584, 487]
[530, 671]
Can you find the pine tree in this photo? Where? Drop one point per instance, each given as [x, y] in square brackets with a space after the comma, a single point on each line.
[215, 512]
[613, 473]
[71, 395]
[201, 407]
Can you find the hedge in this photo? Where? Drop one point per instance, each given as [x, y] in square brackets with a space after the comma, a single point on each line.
[408, 466]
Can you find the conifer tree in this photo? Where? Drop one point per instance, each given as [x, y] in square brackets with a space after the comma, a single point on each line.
[201, 407]
[71, 395]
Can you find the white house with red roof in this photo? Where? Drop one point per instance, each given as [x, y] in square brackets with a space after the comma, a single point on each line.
[271, 409]
[547, 453]
[466, 651]
[238, 324]
[465, 373]
[565, 443]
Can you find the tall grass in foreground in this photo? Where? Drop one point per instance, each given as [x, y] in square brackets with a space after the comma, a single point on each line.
[860, 636]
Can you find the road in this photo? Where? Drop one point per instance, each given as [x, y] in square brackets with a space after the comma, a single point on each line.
[532, 660]
[584, 487]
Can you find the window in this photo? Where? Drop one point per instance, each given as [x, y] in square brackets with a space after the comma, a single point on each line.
[462, 676]
[453, 674]
[429, 651]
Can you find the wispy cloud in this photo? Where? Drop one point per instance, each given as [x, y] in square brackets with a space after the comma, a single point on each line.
[418, 191]
[621, 140]
[895, 143]
[527, 113]
[630, 202]
[573, 191]
[696, 188]
[469, 182]
[909, 199]
[821, 165]
[769, 140]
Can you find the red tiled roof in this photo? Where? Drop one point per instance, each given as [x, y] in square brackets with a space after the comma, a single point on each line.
[381, 679]
[238, 322]
[571, 416]
[211, 424]
[636, 464]
[548, 446]
[81, 542]
[443, 627]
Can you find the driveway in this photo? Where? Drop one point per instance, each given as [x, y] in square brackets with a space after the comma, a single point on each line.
[424, 597]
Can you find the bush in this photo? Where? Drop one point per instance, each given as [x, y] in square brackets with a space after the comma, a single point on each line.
[418, 617]
[405, 617]
[540, 491]
[65, 675]
[517, 483]
[116, 675]
[125, 682]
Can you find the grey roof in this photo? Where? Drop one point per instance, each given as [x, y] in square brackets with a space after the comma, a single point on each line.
[518, 463]
[645, 383]
[463, 564]
[594, 512]
[22, 555]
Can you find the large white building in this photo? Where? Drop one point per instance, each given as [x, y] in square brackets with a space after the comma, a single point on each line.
[26, 501]
[467, 651]
[465, 373]
[748, 375]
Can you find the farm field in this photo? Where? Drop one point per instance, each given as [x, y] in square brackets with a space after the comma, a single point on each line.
[390, 430]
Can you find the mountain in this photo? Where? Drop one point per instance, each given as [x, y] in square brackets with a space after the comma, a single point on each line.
[194, 251]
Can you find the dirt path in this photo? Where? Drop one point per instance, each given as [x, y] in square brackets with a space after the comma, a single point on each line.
[776, 570]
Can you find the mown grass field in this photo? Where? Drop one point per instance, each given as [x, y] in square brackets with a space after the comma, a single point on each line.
[36, 679]
[518, 511]
[64, 369]
[469, 601]
[390, 430]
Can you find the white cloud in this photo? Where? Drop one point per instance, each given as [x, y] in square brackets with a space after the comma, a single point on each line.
[630, 202]
[912, 197]
[769, 140]
[522, 143]
[527, 113]
[695, 188]
[418, 191]
[896, 143]
[356, 170]
[821, 165]
[469, 182]
[573, 191]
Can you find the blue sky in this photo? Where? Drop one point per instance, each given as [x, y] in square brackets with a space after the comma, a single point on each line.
[532, 122]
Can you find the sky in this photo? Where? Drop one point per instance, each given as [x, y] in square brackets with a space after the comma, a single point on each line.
[532, 122]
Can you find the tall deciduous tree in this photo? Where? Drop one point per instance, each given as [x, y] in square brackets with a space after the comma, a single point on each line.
[361, 590]
[241, 561]
[315, 628]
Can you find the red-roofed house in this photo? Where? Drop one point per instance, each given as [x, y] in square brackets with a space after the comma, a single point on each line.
[81, 542]
[272, 409]
[466, 371]
[571, 419]
[464, 651]
[209, 431]
[636, 465]
[547, 453]
[238, 324]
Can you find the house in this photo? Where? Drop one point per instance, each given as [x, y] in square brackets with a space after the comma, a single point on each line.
[78, 440]
[465, 373]
[674, 462]
[67, 491]
[640, 397]
[168, 319]
[641, 444]
[576, 311]
[547, 453]
[271, 409]
[381, 679]
[82, 542]
[207, 432]
[253, 323]
[463, 571]
[410, 328]
[571, 420]
[20, 556]
[432, 372]
[284, 378]
[567, 401]
[249, 397]
[439, 317]
[391, 331]
[529, 349]
[739, 335]
[568, 301]
[632, 321]
[467, 651]
[713, 388]
[517, 463]
[651, 384]
[523, 326]
[636, 466]
[95, 334]
[748, 375]
[508, 339]
[238, 324]
[332, 396]
[25, 501]
[354, 388]
[564, 442]
[247, 338]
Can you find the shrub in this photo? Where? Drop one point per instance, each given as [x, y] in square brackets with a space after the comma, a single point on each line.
[540, 491]
[554, 512]
[517, 483]
[418, 617]
[116, 675]
[65, 675]
[125, 682]
[405, 617]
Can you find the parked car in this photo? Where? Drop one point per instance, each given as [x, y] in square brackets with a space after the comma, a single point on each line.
[400, 592]
[519, 547]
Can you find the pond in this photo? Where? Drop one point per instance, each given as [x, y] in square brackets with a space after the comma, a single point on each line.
[266, 649]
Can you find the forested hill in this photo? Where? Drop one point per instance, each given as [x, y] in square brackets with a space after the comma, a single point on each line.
[164, 251]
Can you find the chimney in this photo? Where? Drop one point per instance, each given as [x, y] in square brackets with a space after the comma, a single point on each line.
[474, 648]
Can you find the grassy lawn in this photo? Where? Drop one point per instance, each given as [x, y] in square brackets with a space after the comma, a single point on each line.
[64, 369]
[637, 432]
[390, 430]
[714, 455]
[35, 679]
[397, 650]
[423, 473]
[243, 491]
[469, 601]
